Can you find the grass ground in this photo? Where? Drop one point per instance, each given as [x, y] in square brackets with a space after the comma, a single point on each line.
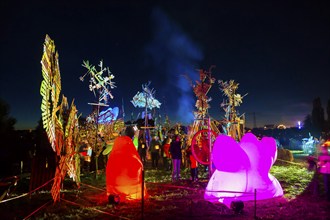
[181, 200]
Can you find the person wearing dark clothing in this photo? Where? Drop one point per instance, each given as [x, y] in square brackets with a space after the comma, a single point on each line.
[312, 167]
[193, 164]
[142, 149]
[155, 151]
[166, 154]
[312, 164]
[130, 131]
[175, 150]
[324, 164]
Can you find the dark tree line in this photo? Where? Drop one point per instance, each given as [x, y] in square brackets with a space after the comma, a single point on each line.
[7, 137]
[316, 121]
[6, 122]
[18, 147]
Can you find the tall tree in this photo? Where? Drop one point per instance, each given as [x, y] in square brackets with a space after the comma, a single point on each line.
[308, 122]
[8, 140]
[318, 116]
[328, 113]
[6, 122]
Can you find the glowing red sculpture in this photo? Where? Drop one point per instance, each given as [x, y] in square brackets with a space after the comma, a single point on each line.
[241, 168]
[124, 170]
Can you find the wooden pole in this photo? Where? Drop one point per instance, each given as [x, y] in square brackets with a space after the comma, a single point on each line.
[210, 146]
[255, 203]
[142, 196]
[96, 135]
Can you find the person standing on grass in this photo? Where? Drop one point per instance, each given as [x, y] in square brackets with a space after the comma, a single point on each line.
[324, 169]
[312, 168]
[155, 151]
[193, 165]
[142, 149]
[166, 154]
[175, 150]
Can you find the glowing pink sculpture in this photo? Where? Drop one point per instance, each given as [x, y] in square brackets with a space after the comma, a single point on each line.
[241, 168]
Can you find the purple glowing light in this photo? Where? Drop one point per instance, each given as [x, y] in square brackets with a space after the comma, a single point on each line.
[242, 168]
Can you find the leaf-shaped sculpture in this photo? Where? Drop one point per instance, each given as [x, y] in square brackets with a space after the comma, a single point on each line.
[59, 121]
[67, 163]
[50, 89]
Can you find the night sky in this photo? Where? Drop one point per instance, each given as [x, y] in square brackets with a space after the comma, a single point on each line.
[278, 51]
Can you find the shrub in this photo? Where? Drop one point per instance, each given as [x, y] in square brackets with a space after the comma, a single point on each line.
[284, 154]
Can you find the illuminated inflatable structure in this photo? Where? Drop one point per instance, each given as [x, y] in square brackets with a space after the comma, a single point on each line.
[124, 171]
[242, 168]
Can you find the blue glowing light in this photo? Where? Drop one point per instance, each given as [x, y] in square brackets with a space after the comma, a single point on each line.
[299, 124]
[108, 115]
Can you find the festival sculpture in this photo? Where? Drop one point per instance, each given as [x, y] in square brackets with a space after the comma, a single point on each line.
[59, 120]
[100, 83]
[242, 169]
[146, 99]
[201, 89]
[204, 130]
[309, 145]
[109, 115]
[233, 124]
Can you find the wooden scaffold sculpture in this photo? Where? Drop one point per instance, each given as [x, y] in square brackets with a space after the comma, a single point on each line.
[59, 120]
[146, 99]
[233, 124]
[204, 130]
[100, 83]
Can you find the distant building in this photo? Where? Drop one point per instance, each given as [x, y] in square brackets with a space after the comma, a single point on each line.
[269, 126]
[281, 126]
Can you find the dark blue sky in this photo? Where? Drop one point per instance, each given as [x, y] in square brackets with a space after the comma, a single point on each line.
[278, 51]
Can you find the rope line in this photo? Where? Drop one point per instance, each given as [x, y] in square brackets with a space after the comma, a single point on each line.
[293, 163]
[223, 191]
[103, 212]
[25, 194]
[42, 185]
[35, 211]
[173, 186]
[93, 187]
[29, 193]
[194, 189]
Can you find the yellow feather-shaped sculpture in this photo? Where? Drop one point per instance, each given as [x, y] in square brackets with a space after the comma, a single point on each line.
[59, 121]
[50, 89]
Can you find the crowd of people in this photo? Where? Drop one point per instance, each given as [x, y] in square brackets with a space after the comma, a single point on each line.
[171, 154]
[168, 153]
[128, 158]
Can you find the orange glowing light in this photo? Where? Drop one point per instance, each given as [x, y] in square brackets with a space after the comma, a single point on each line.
[124, 171]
